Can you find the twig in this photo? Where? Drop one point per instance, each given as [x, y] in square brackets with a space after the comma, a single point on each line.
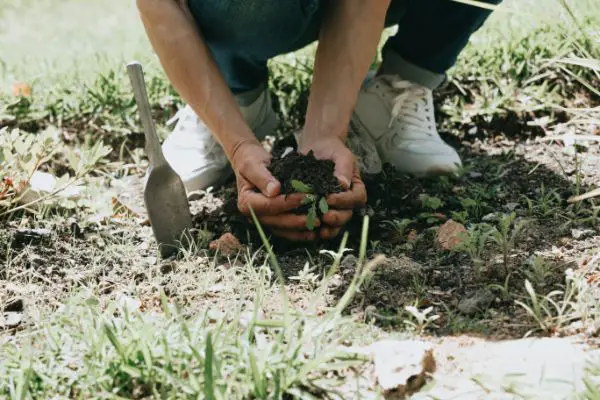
[581, 197]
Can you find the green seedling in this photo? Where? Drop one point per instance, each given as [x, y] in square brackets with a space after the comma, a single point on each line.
[317, 204]
[419, 320]
[474, 244]
[506, 235]
[538, 271]
[546, 203]
[399, 227]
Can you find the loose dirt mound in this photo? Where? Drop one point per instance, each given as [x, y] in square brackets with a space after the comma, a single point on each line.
[316, 174]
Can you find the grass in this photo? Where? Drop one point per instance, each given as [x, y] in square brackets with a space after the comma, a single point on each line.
[105, 317]
[113, 350]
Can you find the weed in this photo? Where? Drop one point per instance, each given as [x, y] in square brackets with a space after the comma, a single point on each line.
[545, 204]
[552, 311]
[399, 227]
[506, 234]
[538, 271]
[306, 277]
[418, 320]
[474, 244]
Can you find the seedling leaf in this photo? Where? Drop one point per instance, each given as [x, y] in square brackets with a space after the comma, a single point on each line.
[323, 206]
[301, 187]
[311, 216]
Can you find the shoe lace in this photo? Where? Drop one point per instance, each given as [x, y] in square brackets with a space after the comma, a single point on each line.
[189, 121]
[412, 104]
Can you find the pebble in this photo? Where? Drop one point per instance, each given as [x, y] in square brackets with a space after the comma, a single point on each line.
[226, 245]
[478, 302]
[450, 235]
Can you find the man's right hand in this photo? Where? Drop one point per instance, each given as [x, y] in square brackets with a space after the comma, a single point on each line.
[273, 210]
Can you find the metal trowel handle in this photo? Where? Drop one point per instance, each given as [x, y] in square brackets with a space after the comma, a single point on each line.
[153, 148]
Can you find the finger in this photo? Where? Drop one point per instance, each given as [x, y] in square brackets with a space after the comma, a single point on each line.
[349, 199]
[328, 233]
[259, 176]
[286, 221]
[344, 166]
[268, 205]
[295, 235]
[337, 218]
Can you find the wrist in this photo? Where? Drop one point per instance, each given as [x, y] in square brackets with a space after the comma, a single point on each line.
[233, 147]
[312, 132]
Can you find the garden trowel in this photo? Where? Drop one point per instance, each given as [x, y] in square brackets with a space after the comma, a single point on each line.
[164, 193]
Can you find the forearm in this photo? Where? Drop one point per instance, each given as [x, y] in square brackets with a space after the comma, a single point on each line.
[189, 65]
[347, 45]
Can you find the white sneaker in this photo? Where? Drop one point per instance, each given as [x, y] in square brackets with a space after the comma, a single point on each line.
[397, 115]
[194, 153]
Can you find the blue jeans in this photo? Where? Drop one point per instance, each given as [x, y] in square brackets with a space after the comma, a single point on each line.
[244, 34]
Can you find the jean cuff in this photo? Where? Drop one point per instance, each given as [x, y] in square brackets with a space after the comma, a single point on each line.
[393, 63]
[244, 99]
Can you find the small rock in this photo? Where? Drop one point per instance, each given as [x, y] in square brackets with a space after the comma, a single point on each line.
[478, 302]
[27, 236]
[581, 233]
[227, 245]
[401, 271]
[450, 235]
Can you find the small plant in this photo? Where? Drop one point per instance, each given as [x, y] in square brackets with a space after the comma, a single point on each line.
[399, 227]
[506, 235]
[420, 320]
[551, 312]
[460, 216]
[545, 203]
[477, 237]
[431, 202]
[306, 277]
[538, 271]
[317, 205]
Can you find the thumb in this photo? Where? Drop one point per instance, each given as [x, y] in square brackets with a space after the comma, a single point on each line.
[344, 166]
[258, 175]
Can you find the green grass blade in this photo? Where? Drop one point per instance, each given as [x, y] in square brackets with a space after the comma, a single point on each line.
[209, 384]
[276, 267]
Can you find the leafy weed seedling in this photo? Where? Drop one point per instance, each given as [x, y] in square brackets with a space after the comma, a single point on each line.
[506, 235]
[474, 244]
[317, 205]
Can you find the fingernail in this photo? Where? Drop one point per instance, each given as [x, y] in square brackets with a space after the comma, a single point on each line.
[345, 182]
[271, 187]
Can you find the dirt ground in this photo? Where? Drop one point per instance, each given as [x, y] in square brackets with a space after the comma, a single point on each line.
[508, 167]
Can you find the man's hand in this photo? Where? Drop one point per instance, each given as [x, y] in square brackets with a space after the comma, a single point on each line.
[250, 161]
[341, 205]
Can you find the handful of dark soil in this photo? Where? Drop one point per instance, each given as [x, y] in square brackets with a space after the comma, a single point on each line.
[316, 174]
[299, 173]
